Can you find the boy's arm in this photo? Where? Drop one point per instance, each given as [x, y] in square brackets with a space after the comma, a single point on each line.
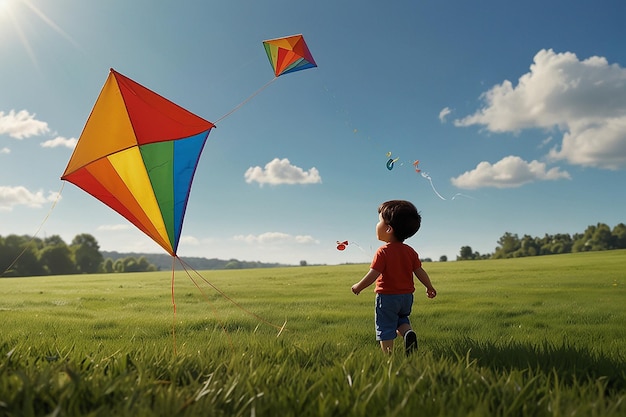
[366, 281]
[425, 280]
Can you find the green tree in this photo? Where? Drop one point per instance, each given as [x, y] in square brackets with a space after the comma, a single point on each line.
[19, 257]
[138, 265]
[87, 254]
[619, 236]
[508, 244]
[465, 254]
[130, 264]
[118, 266]
[443, 258]
[583, 242]
[108, 265]
[601, 238]
[57, 259]
[5, 257]
[145, 265]
[529, 246]
[561, 243]
[53, 240]
[233, 264]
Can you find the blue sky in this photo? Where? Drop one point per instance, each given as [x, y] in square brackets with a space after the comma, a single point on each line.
[519, 108]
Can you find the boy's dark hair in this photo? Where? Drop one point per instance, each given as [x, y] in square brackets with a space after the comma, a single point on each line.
[402, 216]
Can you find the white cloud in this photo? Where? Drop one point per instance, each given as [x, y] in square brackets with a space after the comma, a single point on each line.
[21, 125]
[546, 141]
[189, 240]
[280, 171]
[585, 99]
[114, 227]
[600, 145]
[14, 196]
[60, 141]
[444, 113]
[509, 172]
[275, 238]
[5, 150]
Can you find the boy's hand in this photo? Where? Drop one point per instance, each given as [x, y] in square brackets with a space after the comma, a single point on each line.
[431, 292]
[355, 289]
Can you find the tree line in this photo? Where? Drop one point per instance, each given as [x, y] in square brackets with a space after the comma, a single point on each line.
[594, 238]
[26, 256]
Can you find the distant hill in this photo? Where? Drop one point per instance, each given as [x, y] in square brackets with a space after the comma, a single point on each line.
[163, 261]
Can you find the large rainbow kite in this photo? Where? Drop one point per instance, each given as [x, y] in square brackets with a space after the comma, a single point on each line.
[138, 154]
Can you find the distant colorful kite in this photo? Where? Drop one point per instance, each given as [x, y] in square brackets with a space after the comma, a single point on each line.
[391, 161]
[288, 54]
[137, 154]
[342, 245]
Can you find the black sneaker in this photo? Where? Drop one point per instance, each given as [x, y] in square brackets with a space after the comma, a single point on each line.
[410, 342]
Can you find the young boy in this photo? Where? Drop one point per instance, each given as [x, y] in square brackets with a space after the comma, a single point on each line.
[392, 268]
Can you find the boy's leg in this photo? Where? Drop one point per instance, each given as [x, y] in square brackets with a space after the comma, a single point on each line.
[403, 328]
[410, 342]
[386, 317]
[409, 336]
[404, 325]
[387, 346]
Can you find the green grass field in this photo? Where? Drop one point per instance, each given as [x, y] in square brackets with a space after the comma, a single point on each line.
[541, 336]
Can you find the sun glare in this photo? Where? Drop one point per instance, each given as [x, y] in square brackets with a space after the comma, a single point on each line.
[13, 11]
[5, 6]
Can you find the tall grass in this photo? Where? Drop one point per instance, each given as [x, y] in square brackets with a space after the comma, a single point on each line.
[538, 336]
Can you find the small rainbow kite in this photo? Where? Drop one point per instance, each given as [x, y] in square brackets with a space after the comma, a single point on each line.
[288, 54]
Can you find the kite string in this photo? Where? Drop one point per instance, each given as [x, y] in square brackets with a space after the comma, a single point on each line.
[186, 266]
[56, 200]
[215, 312]
[240, 105]
[173, 307]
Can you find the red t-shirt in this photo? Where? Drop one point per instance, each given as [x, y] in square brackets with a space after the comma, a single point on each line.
[396, 262]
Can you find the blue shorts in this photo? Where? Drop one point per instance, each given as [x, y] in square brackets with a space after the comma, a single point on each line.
[392, 310]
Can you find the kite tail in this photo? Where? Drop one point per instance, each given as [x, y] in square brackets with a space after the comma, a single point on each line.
[426, 176]
[37, 232]
[187, 267]
[240, 105]
[462, 195]
[432, 186]
[358, 246]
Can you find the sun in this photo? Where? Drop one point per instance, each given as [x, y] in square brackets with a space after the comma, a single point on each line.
[4, 4]
[5, 10]
[11, 14]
